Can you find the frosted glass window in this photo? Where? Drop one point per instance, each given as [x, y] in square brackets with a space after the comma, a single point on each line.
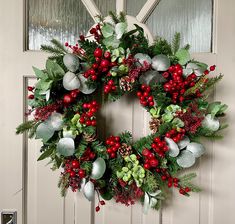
[64, 20]
[192, 18]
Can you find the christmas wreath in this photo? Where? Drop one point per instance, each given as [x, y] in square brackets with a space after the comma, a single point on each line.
[111, 62]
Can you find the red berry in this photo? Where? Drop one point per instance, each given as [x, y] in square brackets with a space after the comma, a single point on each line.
[93, 123]
[212, 68]
[151, 104]
[93, 31]
[146, 152]
[97, 208]
[74, 93]
[102, 202]
[30, 88]
[113, 155]
[146, 166]
[82, 173]
[182, 191]
[66, 44]
[104, 63]
[88, 123]
[169, 184]
[67, 99]
[176, 184]
[107, 54]
[157, 139]
[187, 189]
[94, 77]
[75, 164]
[98, 52]
[163, 177]
[31, 97]
[72, 174]
[153, 162]
[82, 38]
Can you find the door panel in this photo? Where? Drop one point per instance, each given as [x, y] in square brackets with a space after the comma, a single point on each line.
[31, 188]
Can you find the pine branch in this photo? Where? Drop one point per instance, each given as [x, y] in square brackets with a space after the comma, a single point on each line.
[176, 43]
[212, 81]
[51, 50]
[25, 126]
[114, 17]
[126, 137]
[160, 46]
[58, 45]
[122, 17]
[200, 85]
[185, 181]
[63, 184]
[142, 143]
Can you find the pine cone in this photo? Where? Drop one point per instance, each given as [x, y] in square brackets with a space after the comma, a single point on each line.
[154, 124]
[89, 138]
[125, 150]
[125, 83]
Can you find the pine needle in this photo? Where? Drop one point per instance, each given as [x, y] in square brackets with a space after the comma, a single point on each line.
[176, 43]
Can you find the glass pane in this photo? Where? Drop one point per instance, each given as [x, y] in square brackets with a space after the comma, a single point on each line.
[192, 18]
[64, 20]
[133, 7]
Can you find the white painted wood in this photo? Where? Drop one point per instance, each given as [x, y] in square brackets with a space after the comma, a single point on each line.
[120, 6]
[92, 9]
[146, 11]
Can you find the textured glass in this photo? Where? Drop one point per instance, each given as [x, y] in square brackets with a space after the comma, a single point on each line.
[64, 20]
[133, 7]
[192, 18]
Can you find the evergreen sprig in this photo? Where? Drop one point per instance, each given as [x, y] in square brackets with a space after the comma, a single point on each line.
[26, 126]
[176, 43]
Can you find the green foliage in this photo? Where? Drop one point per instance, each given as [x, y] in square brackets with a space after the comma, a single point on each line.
[81, 148]
[163, 128]
[176, 43]
[56, 49]
[126, 137]
[26, 126]
[143, 143]
[160, 96]
[87, 166]
[99, 149]
[160, 46]
[47, 153]
[185, 181]
[63, 184]
[150, 183]
[172, 165]
[89, 47]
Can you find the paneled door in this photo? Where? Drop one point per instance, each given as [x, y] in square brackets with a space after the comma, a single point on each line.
[30, 188]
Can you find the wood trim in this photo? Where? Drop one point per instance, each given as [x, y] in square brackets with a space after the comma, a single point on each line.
[25, 25]
[147, 10]
[92, 9]
[120, 6]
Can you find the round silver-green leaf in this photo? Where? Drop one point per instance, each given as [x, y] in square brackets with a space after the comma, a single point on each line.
[44, 131]
[83, 87]
[71, 62]
[70, 81]
[173, 147]
[160, 62]
[66, 147]
[186, 159]
[184, 142]
[196, 148]
[98, 168]
[89, 191]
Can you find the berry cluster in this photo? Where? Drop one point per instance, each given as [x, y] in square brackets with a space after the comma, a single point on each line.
[150, 160]
[30, 89]
[144, 96]
[101, 202]
[101, 65]
[70, 97]
[87, 117]
[72, 167]
[88, 155]
[175, 135]
[109, 87]
[177, 84]
[75, 49]
[113, 144]
[159, 146]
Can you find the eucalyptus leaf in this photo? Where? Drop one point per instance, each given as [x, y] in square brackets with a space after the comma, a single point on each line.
[120, 29]
[70, 81]
[111, 42]
[183, 55]
[44, 131]
[211, 123]
[55, 121]
[98, 168]
[89, 191]
[66, 147]
[44, 85]
[186, 159]
[107, 30]
[146, 203]
[173, 147]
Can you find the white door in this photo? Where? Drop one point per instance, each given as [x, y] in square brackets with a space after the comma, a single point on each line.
[30, 188]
